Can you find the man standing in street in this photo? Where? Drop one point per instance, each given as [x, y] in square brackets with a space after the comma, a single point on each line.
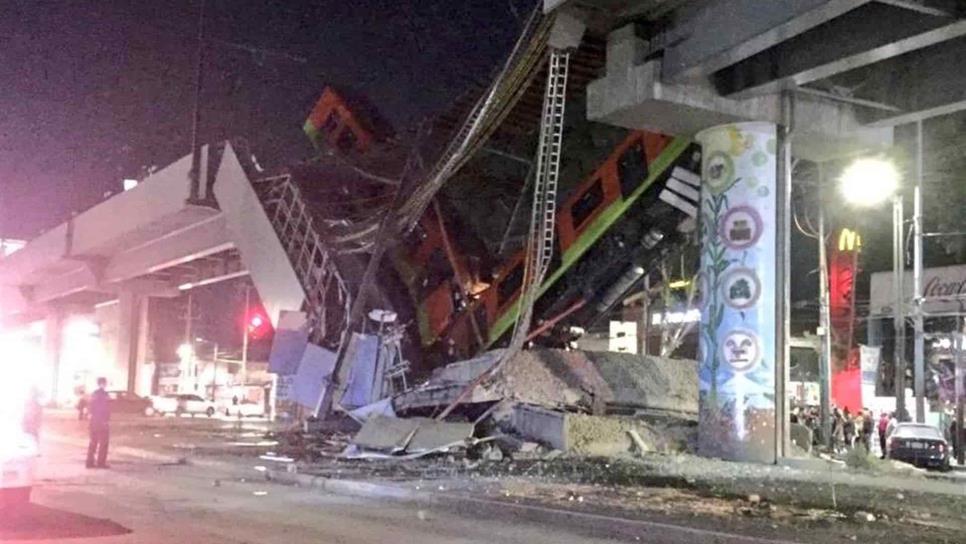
[99, 408]
[883, 425]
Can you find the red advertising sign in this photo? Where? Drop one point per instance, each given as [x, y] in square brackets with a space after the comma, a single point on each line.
[843, 267]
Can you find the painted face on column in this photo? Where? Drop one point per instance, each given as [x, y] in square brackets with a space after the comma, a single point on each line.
[741, 350]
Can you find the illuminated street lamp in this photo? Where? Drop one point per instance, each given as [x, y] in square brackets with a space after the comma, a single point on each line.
[868, 182]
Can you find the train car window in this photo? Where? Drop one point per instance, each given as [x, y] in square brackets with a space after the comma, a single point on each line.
[584, 207]
[632, 168]
[347, 140]
[510, 285]
[331, 122]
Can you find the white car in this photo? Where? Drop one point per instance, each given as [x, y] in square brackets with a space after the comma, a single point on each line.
[245, 408]
[18, 458]
[183, 404]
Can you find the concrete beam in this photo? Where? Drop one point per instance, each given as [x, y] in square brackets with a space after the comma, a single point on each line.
[566, 32]
[938, 8]
[925, 83]
[252, 233]
[185, 245]
[634, 96]
[728, 31]
[845, 44]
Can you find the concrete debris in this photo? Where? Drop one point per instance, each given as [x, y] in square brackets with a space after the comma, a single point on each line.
[863, 517]
[492, 453]
[386, 434]
[638, 441]
[584, 434]
[382, 408]
[432, 435]
[655, 383]
[586, 381]
[415, 436]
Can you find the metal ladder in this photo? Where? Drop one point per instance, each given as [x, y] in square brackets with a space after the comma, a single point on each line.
[324, 287]
[542, 220]
[548, 162]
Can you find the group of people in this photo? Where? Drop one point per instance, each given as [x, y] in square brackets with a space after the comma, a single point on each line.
[848, 429]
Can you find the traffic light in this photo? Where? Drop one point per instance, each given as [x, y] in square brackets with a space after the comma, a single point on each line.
[257, 324]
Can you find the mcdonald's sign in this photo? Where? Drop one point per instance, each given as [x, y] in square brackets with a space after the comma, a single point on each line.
[849, 240]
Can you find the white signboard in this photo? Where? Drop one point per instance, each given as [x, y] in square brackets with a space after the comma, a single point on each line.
[869, 357]
[946, 281]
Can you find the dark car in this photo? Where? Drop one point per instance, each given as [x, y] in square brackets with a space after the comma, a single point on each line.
[919, 444]
[123, 402]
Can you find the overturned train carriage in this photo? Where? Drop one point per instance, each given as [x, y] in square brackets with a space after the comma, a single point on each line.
[627, 200]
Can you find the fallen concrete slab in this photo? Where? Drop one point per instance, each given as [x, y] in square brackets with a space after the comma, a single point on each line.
[647, 382]
[587, 381]
[386, 434]
[584, 434]
[432, 435]
[389, 435]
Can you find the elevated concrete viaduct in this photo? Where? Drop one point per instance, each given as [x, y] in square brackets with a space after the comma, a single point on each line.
[146, 242]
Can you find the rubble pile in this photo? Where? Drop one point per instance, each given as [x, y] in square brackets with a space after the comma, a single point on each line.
[583, 403]
[571, 380]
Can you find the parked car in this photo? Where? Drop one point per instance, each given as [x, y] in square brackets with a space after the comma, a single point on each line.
[183, 404]
[919, 444]
[123, 402]
[245, 408]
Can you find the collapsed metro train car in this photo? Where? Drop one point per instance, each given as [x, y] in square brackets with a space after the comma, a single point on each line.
[639, 203]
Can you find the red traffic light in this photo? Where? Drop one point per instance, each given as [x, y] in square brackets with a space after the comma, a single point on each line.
[257, 324]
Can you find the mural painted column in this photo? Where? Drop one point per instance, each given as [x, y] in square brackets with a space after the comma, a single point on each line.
[738, 233]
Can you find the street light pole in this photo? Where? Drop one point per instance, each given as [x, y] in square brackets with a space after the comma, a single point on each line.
[919, 355]
[898, 316]
[825, 357]
[244, 357]
[959, 384]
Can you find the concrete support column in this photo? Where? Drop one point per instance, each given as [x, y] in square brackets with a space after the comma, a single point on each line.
[739, 287]
[129, 320]
[53, 343]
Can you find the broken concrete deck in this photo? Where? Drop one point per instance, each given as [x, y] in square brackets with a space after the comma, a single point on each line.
[572, 379]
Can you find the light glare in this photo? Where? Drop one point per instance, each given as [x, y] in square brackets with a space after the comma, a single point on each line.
[869, 181]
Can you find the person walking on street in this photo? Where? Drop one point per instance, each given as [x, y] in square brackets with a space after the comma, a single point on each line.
[883, 425]
[838, 434]
[81, 403]
[848, 428]
[868, 425]
[99, 408]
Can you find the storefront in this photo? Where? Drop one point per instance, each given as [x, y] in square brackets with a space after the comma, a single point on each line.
[944, 309]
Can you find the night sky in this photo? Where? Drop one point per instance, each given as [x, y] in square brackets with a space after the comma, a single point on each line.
[92, 91]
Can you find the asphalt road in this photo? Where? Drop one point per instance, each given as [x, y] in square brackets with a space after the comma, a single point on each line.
[145, 501]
